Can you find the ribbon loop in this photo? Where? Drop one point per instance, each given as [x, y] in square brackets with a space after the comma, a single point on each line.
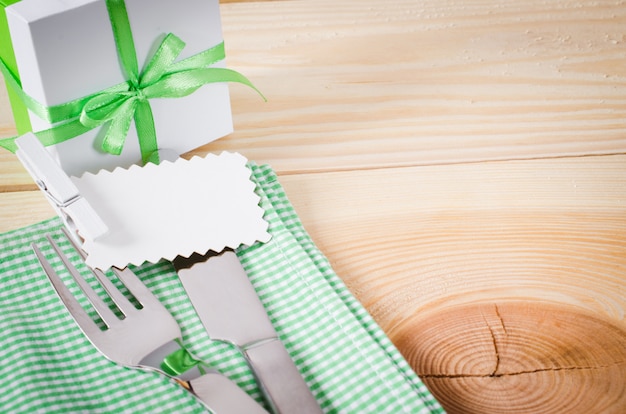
[102, 108]
[169, 49]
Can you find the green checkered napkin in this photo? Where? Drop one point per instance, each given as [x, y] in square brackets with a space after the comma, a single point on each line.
[49, 366]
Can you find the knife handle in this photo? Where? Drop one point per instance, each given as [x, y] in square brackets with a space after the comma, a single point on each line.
[223, 396]
[279, 379]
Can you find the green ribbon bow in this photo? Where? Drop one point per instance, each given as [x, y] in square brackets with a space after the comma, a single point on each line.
[119, 105]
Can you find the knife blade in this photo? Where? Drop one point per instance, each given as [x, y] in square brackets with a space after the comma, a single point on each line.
[230, 310]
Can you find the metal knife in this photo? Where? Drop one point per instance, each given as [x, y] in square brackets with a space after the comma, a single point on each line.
[231, 311]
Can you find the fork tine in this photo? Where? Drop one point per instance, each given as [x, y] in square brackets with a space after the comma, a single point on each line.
[76, 310]
[106, 314]
[118, 298]
[134, 285]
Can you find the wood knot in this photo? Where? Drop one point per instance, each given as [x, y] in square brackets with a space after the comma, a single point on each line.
[517, 357]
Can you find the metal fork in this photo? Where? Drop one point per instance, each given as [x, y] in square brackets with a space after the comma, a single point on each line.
[142, 337]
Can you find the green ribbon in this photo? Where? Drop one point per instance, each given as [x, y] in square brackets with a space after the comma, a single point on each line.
[116, 106]
[180, 361]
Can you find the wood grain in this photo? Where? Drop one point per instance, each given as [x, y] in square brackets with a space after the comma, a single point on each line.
[23, 208]
[409, 238]
[491, 278]
[520, 357]
[428, 82]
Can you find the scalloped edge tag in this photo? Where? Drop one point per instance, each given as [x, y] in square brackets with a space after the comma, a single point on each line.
[173, 209]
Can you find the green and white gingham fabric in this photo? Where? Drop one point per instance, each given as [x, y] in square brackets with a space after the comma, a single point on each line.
[48, 366]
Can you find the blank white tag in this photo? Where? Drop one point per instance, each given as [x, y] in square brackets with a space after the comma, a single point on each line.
[173, 209]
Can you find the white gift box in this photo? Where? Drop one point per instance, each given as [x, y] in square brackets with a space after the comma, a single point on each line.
[65, 50]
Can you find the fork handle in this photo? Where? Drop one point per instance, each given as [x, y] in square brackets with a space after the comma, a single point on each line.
[223, 396]
[281, 381]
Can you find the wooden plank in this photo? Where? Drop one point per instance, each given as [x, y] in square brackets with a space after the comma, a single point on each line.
[434, 82]
[370, 84]
[451, 230]
[23, 208]
[503, 284]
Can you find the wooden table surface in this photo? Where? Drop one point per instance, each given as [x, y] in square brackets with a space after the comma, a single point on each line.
[462, 163]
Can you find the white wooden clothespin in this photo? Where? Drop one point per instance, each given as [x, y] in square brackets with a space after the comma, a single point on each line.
[75, 211]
